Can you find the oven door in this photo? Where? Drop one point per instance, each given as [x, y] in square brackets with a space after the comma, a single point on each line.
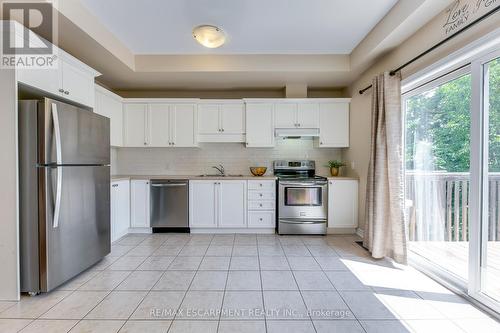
[303, 200]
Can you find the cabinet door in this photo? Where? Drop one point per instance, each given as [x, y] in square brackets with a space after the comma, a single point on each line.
[343, 203]
[208, 119]
[286, 115]
[120, 209]
[113, 210]
[135, 116]
[139, 203]
[78, 85]
[49, 80]
[232, 118]
[232, 204]
[183, 119]
[334, 125]
[308, 115]
[159, 126]
[108, 106]
[260, 125]
[202, 204]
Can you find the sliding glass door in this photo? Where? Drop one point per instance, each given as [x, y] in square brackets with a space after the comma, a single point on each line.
[437, 144]
[486, 257]
[452, 174]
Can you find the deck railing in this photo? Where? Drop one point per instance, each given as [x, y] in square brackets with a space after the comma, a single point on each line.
[437, 206]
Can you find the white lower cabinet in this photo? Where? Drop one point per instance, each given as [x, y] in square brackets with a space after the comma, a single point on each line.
[217, 203]
[261, 204]
[343, 203]
[139, 203]
[231, 204]
[203, 204]
[120, 208]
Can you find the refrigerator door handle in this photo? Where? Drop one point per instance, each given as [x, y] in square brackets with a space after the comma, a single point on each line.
[57, 135]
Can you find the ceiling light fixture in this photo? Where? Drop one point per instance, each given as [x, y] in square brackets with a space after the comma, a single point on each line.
[209, 36]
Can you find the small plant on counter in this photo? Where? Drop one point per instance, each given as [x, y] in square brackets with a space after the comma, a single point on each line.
[335, 166]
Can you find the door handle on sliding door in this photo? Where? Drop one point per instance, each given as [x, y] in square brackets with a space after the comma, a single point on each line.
[57, 136]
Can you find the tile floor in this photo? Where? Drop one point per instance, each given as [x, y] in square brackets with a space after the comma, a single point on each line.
[244, 283]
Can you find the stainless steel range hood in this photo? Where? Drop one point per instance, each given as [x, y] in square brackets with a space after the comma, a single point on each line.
[296, 132]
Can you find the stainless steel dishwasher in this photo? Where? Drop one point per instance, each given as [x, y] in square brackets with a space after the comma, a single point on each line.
[169, 205]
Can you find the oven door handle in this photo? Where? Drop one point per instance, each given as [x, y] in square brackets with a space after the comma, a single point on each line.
[302, 221]
[304, 184]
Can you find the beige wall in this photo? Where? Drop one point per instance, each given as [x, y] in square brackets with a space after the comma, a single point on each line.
[426, 37]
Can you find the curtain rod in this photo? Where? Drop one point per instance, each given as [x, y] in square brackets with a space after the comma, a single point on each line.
[394, 71]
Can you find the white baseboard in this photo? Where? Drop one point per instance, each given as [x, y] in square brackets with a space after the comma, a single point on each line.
[232, 231]
[341, 231]
[140, 230]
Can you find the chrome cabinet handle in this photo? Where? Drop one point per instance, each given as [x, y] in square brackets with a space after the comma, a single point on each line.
[57, 135]
[260, 195]
[66, 92]
[61, 90]
[169, 185]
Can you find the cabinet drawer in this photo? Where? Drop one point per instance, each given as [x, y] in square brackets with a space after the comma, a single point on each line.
[261, 220]
[261, 195]
[261, 185]
[261, 205]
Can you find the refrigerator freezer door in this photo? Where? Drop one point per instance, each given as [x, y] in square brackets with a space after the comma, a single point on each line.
[78, 235]
[69, 135]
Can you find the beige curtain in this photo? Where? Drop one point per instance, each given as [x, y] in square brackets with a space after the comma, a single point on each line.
[385, 228]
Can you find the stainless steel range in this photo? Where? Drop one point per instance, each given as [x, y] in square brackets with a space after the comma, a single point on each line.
[302, 198]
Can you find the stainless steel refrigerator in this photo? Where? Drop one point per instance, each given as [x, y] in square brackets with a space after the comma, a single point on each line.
[64, 182]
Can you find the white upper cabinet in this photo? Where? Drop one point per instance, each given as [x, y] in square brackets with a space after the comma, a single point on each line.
[297, 115]
[334, 125]
[183, 119]
[110, 105]
[77, 82]
[71, 79]
[286, 115]
[135, 121]
[308, 115]
[232, 117]
[208, 119]
[160, 124]
[221, 121]
[259, 124]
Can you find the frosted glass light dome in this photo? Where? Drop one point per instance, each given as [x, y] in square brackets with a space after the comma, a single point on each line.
[209, 36]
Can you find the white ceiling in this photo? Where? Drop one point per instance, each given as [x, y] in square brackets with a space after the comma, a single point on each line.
[253, 26]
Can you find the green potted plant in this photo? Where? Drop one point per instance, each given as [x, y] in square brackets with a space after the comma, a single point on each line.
[335, 166]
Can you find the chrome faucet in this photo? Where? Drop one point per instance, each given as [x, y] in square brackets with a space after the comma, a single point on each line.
[221, 170]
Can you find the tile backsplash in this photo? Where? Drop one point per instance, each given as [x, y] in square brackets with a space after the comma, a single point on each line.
[235, 157]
